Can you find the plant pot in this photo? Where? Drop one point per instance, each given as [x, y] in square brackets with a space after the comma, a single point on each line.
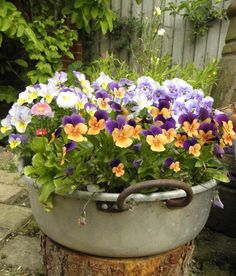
[150, 227]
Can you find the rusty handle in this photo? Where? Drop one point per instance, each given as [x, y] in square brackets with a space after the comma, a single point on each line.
[161, 183]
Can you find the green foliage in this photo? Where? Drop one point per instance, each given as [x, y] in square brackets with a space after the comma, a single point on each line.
[93, 14]
[8, 93]
[201, 13]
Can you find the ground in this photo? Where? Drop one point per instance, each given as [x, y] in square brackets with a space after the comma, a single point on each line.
[215, 254]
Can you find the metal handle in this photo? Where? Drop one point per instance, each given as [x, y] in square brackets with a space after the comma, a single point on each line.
[170, 203]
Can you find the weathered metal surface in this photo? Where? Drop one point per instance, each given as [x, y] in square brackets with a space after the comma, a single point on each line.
[224, 92]
[59, 260]
[150, 228]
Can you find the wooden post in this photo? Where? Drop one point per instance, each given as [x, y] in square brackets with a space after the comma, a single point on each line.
[224, 91]
[59, 260]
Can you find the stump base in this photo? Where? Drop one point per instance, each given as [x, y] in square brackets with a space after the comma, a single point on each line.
[59, 260]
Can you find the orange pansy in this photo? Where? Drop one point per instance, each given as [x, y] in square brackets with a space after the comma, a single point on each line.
[205, 137]
[136, 132]
[195, 150]
[179, 143]
[122, 136]
[157, 142]
[175, 166]
[95, 125]
[119, 170]
[75, 133]
[191, 129]
[170, 134]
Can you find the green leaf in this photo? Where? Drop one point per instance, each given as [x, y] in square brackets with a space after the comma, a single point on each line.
[1, 39]
[38, 160]
[218, 175]
[28, 170]
[78, 3]
[20, 31]
[45, 191]
[6, 25]
[139, 1]
[94, 12]
[38, 144]
[21, 62]
[104, 26]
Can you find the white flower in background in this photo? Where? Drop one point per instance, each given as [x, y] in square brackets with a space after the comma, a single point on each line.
[103, 80]
[86, 87]
[48, 92]
[157, 11]
[6, 124]
[58, 78]
[20, 117]
[161, 32]
[67, 99]
[28, 95]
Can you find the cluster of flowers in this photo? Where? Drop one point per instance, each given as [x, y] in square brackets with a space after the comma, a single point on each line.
[170, 115]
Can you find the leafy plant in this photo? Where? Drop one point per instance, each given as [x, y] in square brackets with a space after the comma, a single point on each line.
[201, 13]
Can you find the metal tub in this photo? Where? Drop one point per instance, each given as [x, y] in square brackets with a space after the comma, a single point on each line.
[149, 228]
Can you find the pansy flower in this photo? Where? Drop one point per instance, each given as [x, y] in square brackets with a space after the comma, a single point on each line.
[228, 133]
[155, 138]
[67, 148]
[121, 132]
[103, 99]
[20, 117]
[119, 93]
[137, 129]
[173, 165]
[75, 128]
[14, 140]
[117, 167]
[193, 147]
[163, 109]
[97, 122]
[67, 99]
[6, 124]
[206, 132]
[189, 123]
[55, 134]
[180, 139]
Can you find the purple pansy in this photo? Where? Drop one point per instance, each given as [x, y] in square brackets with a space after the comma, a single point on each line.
[137, 147]
[125, 82]
[218, 151]
[154, 130]
[220, 118]
[101, 114]
[70, 146]
[192, 106]
[169, 161]
[115, 106]
[114, 163]
[137, 163]
[69, 171]
[188, 117]
[73, 119]
[208, 126]
[217, 202]
[102, 94]
[188, 143]
[58, 132]
[110, 125]
[179, 106]
[112, 85]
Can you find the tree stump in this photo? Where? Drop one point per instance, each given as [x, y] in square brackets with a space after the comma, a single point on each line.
[59, 261]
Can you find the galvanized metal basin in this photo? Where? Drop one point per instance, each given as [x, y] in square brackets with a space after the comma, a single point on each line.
[150, 228]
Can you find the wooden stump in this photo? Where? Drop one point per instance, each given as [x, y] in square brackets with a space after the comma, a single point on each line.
[61, 261]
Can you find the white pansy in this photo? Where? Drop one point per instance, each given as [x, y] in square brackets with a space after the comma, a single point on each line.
[6, 124]
[20, 117]
[103, 80]
[67, 99]
[48, 92]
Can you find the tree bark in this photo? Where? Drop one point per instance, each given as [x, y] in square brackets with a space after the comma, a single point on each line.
[61, 261]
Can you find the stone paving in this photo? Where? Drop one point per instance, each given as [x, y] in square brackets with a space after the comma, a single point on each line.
[215, 254]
